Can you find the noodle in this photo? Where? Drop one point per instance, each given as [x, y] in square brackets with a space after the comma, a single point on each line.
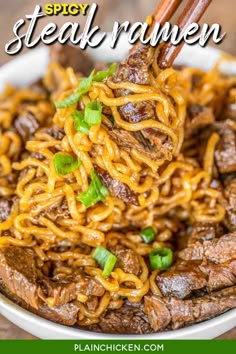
[170, 192]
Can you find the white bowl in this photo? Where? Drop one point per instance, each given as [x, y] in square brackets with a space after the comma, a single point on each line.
[28, 68]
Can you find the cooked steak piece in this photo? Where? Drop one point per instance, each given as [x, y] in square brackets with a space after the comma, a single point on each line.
[129, 319]
[229, 111]
[27, 122]
[58, 210]
[117, 188]
[185, 278]
[65, 314]
[88, 286]
[92, 303]
[197, 117]
[62, 292]
[202, 231]
[219, 275]
[70, 56]
[135, 69]
[127, 260]
[181, 279]
[228, 201]
[56, 132]
[225, 152]
[217, 250]
[5, 208]
[19, 273]
[229, 108]
[128, 140]
[38, 87]
[26, 125]
[158, 314]
[153, 144]
[175, 313]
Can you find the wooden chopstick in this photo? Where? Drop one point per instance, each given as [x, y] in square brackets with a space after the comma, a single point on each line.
[163, 12]
[193, 11]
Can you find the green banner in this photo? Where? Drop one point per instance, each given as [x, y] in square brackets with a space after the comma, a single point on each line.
[117, 346]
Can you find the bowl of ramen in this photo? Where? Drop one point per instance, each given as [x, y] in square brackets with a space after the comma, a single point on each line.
[118, 194]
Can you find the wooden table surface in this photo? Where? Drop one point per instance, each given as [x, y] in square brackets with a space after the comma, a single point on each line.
[223, 12]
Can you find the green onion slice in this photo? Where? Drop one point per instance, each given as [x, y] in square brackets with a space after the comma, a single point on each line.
[84, 86]
[85, 83]
[79, 122]
[101, 75]
[65, 164]
[99, 186]
[105, 259]
[148, 234]
[95, 193]
[93, 113]
[161, 258]
[68, 101]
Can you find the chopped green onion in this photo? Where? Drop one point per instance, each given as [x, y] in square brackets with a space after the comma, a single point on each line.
[93, 113]
[161, 258]
[101, 75]
[79, 123]
[148, 234]
[105, 259]
[88, 198]
[92, 116]
[99, 186]
[65, 164]
[95, 193]
[68, 101]
[84, 86]
[85, 83]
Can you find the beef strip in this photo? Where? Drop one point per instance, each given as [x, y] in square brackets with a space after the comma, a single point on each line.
[127, 260]
[217, 250]
[19, 273]
[26, 125]
[230, 111]
[55, 132]
[92, 303]
[175, 313]
[228, 200]
[197, 117]
[203, 231]
[65, 314]
[58, 210]
[207, 263]
[229, 108]
[6, 204]
[38, 87]
[225, 152]
[219, 275]
[135, 69]
[181, 279]
[185, 278]
[117, 188]
[129, 319]
[84, 284]
[70, 56]
[136, 66]
[154, 146]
